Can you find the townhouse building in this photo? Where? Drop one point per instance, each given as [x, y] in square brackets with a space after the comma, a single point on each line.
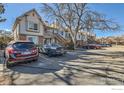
[63, 37]
[30, 26]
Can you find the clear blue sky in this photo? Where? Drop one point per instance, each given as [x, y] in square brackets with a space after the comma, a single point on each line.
[114, 11]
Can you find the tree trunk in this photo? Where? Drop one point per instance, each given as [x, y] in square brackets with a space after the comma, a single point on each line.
[116, 43]
[74, 43]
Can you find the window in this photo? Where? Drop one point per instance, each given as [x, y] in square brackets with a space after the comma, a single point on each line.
[68, 35]
[24, 45]
[32, 39]
[79, 36]
[61, 32]
[32, 26]
[82, 37]
[35, 27]
[33, 14]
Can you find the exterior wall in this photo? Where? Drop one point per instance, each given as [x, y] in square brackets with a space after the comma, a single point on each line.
[50, 40]
[34, 39]
[25, 37]
[16, 32]
[67, 35]
[22, 37]
[79, 36]
[47, 40]
[62, 33]
[14, 35]
[80, 43]
[21, 31]
[24, 25]
[41, 40]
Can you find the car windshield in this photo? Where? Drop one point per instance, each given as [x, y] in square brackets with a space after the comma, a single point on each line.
[24, 45]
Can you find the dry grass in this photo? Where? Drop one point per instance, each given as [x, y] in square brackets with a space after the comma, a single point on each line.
[116, 48]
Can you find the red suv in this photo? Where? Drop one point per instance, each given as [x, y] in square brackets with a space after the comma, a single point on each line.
[20, 51]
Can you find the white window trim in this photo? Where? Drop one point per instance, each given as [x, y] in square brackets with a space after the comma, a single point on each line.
[33, 29]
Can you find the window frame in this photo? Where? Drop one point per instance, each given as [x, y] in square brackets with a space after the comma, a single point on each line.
[29, 28]
[62, 33]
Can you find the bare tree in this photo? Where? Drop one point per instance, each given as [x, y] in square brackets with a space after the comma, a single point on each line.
[77, 17]
[2, 10]
[117, 40]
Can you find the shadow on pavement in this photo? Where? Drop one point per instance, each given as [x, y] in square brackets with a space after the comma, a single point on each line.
[28, 69]
[1, 58]
[33, 68]
[54, 65]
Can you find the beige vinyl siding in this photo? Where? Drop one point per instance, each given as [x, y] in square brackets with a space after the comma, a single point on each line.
[16, 32]
[24, 25]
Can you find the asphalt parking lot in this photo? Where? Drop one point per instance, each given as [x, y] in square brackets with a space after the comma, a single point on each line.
[79, 67]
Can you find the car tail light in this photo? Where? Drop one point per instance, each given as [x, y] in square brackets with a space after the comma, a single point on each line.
[34, 50]
[11, 51]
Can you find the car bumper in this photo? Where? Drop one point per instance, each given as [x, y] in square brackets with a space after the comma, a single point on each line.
[58, 53]
[22, 59]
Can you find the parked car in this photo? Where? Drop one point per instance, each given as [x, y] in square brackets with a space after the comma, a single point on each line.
[20, 51]
[52, 49]
[92, 46]
[106, 45]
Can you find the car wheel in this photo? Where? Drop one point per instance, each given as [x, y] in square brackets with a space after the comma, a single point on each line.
[27, 62]
[49, 55]
[36, 59]
[4, 55]
[8, 65]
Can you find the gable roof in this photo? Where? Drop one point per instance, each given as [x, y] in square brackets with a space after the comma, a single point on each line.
[20, 17]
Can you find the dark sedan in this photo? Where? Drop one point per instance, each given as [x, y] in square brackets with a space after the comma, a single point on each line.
[52, 49]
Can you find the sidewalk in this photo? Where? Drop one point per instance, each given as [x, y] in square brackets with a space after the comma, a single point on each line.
[4, 79]
[1, 56]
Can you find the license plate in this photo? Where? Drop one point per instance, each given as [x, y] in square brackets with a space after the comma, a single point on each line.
[26, 53]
